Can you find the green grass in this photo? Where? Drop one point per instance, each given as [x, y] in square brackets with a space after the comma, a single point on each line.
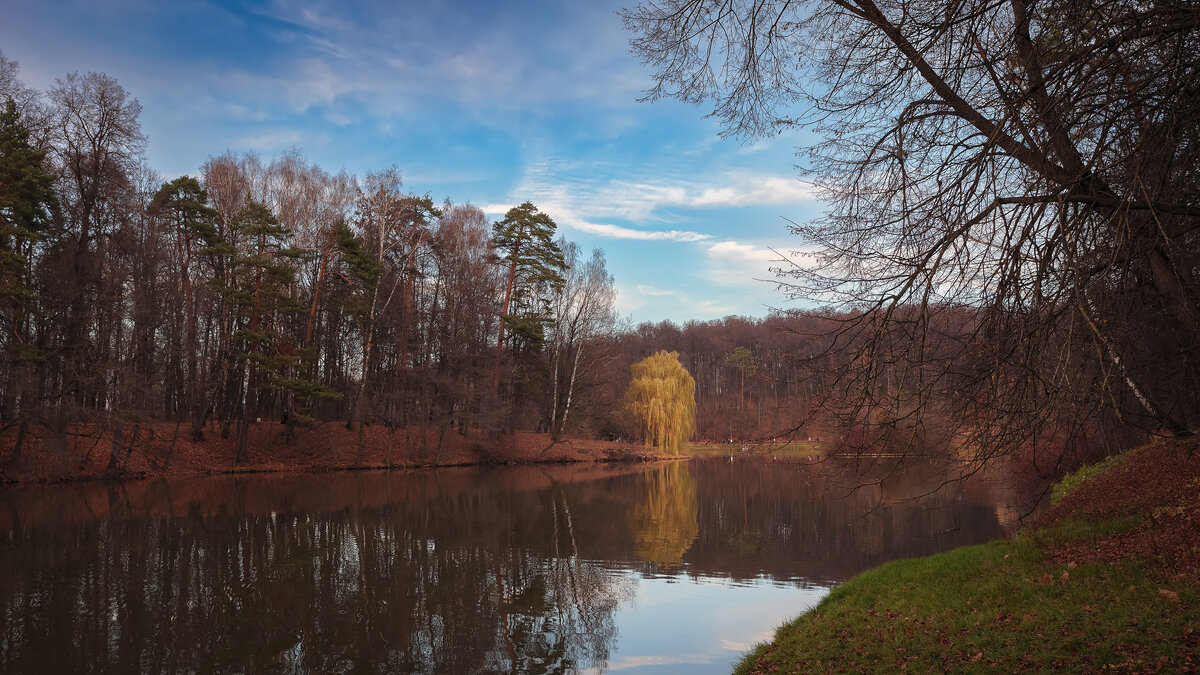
[793, 449]
[994, 607]
[1077, 528]
[1000, 607]
[1074, 480]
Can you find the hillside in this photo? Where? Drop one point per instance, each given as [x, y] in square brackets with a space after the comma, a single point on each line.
[1108, 578]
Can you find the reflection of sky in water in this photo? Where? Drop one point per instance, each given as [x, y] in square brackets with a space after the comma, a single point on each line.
[699, 625]
[676, 568]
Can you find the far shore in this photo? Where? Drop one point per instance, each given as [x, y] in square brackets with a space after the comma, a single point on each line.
[165, 449]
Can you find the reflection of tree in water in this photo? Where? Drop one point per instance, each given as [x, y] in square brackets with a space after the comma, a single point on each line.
[445, 585]
[557, 611]
[446, 571]
[664, 523]
[802, 521]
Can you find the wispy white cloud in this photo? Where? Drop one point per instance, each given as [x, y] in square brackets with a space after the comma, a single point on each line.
[273, 140]
[618, 232]
[757, 146]
[241, 113]
[739, 264]
[745, 188]
[481, 58]
[672, 302]
[732, 263]
[564, 213]
[600, 197]
[649, 200]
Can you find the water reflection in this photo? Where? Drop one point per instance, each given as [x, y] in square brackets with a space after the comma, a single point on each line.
[466, 570]
[663, 521]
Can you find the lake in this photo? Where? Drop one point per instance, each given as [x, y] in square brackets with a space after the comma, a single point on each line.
[624, 568]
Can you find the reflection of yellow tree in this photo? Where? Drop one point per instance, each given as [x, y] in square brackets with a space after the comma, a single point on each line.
[664, 525]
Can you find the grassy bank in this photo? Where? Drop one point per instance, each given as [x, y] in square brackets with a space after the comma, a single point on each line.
[1106, 579]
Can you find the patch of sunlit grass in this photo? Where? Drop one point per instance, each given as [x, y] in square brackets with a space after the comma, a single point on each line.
[1073, 480]
[1082, 529]
[996, 607]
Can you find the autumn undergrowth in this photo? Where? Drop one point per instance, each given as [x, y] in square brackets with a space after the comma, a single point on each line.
[1080, 476]
[1005, 606]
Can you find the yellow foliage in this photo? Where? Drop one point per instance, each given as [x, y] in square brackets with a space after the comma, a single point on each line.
[662, 397]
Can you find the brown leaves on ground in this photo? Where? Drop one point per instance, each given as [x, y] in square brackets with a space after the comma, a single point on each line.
[1161, 484]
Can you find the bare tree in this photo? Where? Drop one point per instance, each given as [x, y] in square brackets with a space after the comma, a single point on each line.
[228, 188]
[1012, 198]
[584, 313]
[394, 229]
[97, 148]
[463, 316]
[310, 202]
[35, 116]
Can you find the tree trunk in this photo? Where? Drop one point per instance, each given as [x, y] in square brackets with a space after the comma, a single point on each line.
[508, 288]
[570, 391]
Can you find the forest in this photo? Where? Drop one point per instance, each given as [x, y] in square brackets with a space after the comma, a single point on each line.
[275, 290]
[1049, 328]
[993, 283]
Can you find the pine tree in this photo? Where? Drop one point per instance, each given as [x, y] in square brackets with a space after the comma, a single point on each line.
[535, 264]
[185, 204]
[28, 206]
[262, 275]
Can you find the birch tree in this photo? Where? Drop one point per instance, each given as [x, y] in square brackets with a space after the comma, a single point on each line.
[394, 227]
[584, 313]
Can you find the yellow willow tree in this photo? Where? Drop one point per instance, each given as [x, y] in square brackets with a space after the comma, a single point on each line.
[662, 397]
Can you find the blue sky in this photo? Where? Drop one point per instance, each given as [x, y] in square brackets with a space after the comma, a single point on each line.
[492, 103]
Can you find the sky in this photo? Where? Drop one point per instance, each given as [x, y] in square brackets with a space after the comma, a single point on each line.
[492, 103]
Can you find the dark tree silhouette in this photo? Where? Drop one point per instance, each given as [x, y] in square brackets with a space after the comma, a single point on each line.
[1012, 235]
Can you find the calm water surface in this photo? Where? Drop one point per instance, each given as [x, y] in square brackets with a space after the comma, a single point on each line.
[668, 568]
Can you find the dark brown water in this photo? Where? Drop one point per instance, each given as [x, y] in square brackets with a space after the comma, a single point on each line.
[613, 568]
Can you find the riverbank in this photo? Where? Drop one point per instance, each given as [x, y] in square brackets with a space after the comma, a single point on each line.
[88, 452]
[1108, 578]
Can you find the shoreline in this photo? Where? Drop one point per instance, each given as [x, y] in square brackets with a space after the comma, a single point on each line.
[1108, 577]
[164, 450]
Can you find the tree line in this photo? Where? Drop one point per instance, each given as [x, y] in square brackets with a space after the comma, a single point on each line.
[268, 290]
[276, 290]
